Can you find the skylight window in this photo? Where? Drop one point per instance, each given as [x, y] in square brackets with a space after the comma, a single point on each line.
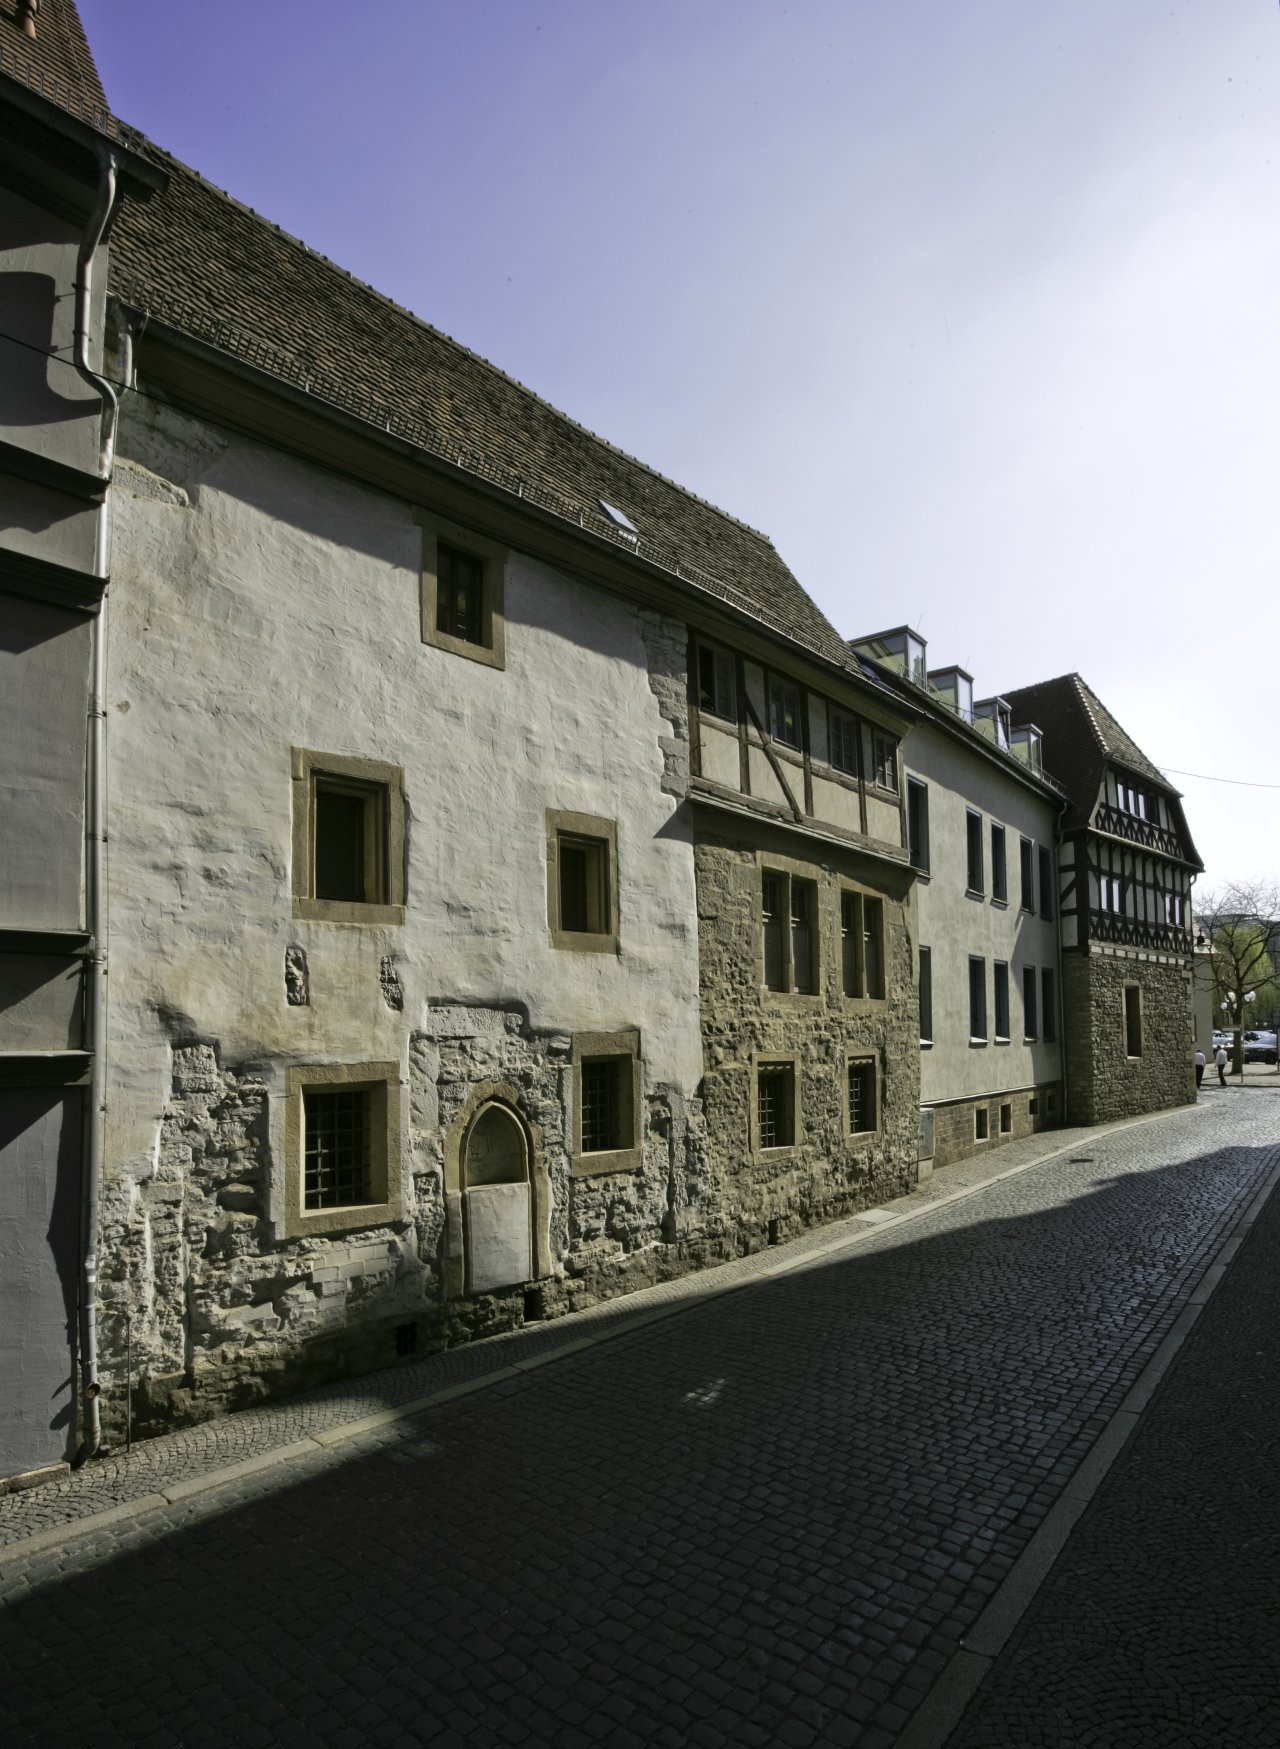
[618, 517]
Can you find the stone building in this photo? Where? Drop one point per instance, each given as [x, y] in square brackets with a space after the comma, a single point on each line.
[502, 871]
[510, 883]
[1126, 864]
[982, 833]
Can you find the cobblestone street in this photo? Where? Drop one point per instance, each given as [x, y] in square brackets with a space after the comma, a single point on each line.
[765, 1516]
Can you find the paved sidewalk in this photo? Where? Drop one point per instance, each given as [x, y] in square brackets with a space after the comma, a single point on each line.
[1159, 1626]
[769, 1505]
[177, 1465]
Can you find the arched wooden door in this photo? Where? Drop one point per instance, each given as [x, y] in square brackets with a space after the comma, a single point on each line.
[497, 1215]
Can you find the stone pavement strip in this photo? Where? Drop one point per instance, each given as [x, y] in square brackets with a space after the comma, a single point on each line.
[769, 1519]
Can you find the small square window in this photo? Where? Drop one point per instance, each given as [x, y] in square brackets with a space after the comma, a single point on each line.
[716, 693]
[350, 826]
[775, 1105]
[784, 711]
[981, 1123]
[582, 882]
[843, 737]
[606, 1102]
[462, 593]
[863, 1111]
[606, 1069]
[459, 594]
[348, 839]
[342, 1147]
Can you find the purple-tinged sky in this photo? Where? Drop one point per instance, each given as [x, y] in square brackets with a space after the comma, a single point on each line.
[973, 308]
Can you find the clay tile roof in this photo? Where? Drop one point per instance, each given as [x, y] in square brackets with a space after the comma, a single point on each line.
[57, 61]
[203, 263]
[1080, 737]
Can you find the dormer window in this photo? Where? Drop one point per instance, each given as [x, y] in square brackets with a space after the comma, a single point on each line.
[619, 518]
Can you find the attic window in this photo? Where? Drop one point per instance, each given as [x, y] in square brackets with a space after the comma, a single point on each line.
[618, 518]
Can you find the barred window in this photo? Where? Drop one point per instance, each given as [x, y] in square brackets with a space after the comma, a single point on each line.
[776, 1105]
[603, 1102]
[338, 1161]
[863, 1116]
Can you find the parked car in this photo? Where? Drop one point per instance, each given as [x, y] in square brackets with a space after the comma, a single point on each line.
[1259, 1047]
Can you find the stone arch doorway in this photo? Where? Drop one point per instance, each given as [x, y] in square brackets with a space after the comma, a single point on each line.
[497, 1213]
[497, 1195]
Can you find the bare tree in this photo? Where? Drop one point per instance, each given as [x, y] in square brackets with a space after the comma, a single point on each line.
[1242, 924]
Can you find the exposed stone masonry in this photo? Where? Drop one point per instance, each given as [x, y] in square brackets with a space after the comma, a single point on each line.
[1104, 1082]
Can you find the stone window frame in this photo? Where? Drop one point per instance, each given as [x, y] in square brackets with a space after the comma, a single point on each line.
[863, 894]
[790, 869]
[563, 822]
[387, 783]
[981, 1123]
[491, 651]
[622, 1045]
[870, 1060]
[1132, 1056]
[387, 1127]
[763, 1059]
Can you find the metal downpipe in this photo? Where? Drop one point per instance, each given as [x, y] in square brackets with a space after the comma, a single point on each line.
[95, 810]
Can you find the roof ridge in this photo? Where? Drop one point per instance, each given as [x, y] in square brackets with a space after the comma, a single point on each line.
[465, 351]
[1088, 698]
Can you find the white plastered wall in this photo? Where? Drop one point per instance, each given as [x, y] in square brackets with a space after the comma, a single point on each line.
[260, 604]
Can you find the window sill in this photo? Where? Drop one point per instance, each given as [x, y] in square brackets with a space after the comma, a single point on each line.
[979, 1044]
[856, 1137]
[356, 1217]
[597, 1165]
[573, 941]
[975, 893]
[344, 911]
[485, 654]
[775, 1153]
[1000, 904]
[921, 874]
[926, 1044]
[1002, 1041]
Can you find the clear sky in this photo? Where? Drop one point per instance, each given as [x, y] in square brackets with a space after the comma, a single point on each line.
[971, 305]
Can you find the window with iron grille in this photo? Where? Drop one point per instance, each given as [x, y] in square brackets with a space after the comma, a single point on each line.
[863, 1114]
[605, 1098]
[844, 742]
[715, 682]
[459, 594]
[776, 1105]
[784, 711]
[338, 1148]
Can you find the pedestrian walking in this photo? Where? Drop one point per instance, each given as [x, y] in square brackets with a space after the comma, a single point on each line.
[1200, 1062]
[1220, 1058]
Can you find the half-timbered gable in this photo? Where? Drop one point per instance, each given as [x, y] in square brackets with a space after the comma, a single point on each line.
[1126, 863]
